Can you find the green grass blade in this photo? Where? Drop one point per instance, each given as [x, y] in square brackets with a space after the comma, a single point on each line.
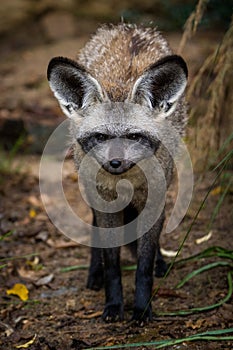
[188, 232]
[225, 160]
[202, 269]
[205, 308]
[188, 339]
[217, 208]
[6, 235]
[16, 257]
[74, 267]
[215, 335]
[207, 253]
[2, 266]
[225, 144]
[214, 332]
[132, 345]
[191, 225]
[86, 267]
[129, 268]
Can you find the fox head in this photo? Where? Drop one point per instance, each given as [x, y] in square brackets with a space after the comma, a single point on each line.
[118, 134]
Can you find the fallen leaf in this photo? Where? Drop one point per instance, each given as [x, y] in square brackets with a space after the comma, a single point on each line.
[204, 238]
[43, 236]
[168, 253]
[110, 341]
[20, 290]
[70, 304]
[32, 213]
[89, 315]
[26, 324]
[35, 264]
[9, 330]
[217, 190]
[195, 325]
[44, 280]
[59, 244]
[41, 217]
[25, 273]
[34, 201]
[26, 345]
[86, 303]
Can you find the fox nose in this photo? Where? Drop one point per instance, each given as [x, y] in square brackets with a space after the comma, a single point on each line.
[115, 163]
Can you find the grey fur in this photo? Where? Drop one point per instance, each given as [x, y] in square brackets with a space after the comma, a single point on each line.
[125, 82]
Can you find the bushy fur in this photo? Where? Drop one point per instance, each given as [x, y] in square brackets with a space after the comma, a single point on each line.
[125, 82]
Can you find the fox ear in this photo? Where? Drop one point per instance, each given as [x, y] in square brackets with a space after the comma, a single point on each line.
[73, 87]
[161, 85]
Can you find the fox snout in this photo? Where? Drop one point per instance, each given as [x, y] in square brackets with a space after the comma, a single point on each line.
[117, 155]
[118, 166]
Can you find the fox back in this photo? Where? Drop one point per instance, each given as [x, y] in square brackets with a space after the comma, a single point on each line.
[116, 56]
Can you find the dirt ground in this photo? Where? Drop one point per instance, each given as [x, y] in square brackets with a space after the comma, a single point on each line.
[60, 312]
[63, 314]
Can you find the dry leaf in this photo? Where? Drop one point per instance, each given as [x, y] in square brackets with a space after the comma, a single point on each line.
[26, 324]
[70, 304]
[27, 274]
[43, 236]
[34, 201]
[61, 244]
[9, 330]
[41, 217]
[204, 238]
[89, 315]
[86, 303]
[168, 253]
[32, 213]
[20, 290]
[110, 341]
[44, 280]
[26, 345]
[217, 190]
[34, 264]
[195, 325]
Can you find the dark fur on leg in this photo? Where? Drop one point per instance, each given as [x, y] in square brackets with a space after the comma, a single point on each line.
[147, 248]
[130, 214]
[96, 270]
[160, 264]
[113, 310]
[95, 279]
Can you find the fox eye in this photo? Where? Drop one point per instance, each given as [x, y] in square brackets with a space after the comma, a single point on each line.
[68, 108]
[101, 137]
[135, 137]
[165, 106]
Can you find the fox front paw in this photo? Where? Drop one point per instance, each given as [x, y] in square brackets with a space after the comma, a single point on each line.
[142, 317]
[113, 313]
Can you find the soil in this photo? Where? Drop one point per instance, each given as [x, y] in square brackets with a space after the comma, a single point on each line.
[63, 314]
[60, 312]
